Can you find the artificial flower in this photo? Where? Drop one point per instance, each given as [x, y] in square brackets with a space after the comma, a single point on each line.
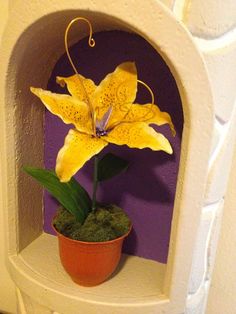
[101, 115]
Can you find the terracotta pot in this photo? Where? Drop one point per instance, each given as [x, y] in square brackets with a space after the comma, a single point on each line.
[89, 263]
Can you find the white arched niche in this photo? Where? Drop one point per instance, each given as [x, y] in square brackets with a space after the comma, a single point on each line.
[32, 43]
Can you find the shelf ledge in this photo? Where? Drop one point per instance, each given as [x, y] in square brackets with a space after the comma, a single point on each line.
[38, 271]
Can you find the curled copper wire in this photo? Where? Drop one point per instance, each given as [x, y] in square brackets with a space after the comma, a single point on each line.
[91, 43]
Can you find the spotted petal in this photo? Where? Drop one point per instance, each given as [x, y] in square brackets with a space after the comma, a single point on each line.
[78, 86]
[138, 135]
[78, 148]
[116, 90]
[69, 109]
[150, 114]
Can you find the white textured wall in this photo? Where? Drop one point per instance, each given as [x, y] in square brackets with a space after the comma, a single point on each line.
[223, 287]
[212, 24]
[7, 289]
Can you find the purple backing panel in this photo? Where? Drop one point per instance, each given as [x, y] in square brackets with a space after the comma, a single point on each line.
[147, 190]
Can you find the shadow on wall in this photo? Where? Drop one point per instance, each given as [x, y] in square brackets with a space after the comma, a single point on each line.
[147, 190]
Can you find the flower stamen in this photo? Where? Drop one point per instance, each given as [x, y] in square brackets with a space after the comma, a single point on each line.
[101, 132]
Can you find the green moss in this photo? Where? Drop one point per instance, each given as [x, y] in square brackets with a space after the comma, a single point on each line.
[65, 222]
[106, 223]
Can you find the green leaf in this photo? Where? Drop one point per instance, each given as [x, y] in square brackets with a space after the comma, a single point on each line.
[70, 195]
[110, 165]
[81, 195]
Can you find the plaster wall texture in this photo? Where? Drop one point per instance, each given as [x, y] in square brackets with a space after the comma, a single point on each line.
[212, 23]
[223, 286]
[168, 3]
[7, 288]
[209, 20]
[27, 221]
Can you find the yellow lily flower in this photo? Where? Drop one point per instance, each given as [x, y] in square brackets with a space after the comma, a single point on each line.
[103, 114]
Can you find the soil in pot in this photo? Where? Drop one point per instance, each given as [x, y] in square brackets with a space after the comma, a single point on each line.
[106, 223]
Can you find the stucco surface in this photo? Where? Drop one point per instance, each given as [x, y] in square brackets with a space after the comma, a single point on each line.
[223, 287]
[206, 20]
[7, 287]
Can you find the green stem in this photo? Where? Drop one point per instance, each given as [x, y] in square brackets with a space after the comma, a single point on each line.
[95, 182]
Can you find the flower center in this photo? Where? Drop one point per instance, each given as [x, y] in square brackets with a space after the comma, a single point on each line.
[100, 132]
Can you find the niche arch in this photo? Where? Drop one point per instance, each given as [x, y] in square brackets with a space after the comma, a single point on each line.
[147, 190]
[31, 38]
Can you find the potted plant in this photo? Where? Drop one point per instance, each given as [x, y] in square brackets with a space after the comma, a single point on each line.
[91, 234]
